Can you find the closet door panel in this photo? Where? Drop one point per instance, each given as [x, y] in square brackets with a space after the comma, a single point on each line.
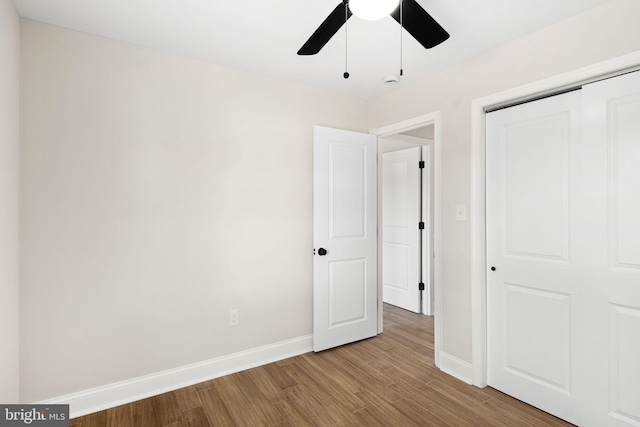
[611, 259]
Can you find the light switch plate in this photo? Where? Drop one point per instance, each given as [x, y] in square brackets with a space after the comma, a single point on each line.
[461, 213]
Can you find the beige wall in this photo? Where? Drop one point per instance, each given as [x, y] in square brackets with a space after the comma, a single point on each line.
[9, 137]
[596, 35]
[159, 192]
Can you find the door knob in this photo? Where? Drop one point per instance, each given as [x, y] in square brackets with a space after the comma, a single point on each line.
[493, 269]
[322, 251]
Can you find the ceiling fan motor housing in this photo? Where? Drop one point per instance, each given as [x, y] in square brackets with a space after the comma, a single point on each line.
[415, 20]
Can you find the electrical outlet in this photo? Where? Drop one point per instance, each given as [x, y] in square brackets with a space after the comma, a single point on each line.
[234, 317]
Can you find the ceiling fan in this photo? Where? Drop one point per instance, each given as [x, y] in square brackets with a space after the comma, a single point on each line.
[414, 19]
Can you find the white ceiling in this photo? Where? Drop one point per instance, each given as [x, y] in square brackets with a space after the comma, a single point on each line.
[263, 36]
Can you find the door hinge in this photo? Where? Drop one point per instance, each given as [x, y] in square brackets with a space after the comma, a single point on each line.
[421, 286]
[421, 225]
[421, 164]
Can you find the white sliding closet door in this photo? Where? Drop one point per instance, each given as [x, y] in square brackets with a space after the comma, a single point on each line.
[563, 233]
[611, 267]
[532, 326]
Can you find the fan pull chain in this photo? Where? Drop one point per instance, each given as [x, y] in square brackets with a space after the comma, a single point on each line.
[346, 44]
[401, 16]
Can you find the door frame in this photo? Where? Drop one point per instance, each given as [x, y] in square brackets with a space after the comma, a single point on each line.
[429, 119]
[479, 108]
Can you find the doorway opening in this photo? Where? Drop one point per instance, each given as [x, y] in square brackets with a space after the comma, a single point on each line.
[424, 132]
[406, 219]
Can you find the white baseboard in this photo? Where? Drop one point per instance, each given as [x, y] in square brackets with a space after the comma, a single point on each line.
[458, 368]
[120, 393]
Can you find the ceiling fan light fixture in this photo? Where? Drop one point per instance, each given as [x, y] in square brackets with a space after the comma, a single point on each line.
[372, 10]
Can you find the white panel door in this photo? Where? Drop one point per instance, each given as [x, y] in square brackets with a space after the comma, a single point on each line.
[345, 237]
[401, 235]
[532, 278]
[611, 220]
[563, 232]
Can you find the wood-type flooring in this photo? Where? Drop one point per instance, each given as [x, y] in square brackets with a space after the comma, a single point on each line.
[389, 380]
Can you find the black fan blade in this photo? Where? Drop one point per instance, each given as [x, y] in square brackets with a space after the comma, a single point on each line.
[326, 30]
[420, 24]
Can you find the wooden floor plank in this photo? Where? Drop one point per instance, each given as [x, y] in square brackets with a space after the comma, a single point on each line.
[375, 380]
[120, 416]
[291, 414]
[383, 412]
[97, 419]
[240, 409]
[421, 414]
[195, 417]
[367, 417]
[187, 398]
[271, 379]
[361, 356]
[387, 380]
[168, 410]
[446, 384]
[214, 408]
[309, 408]
[314, 385]
[333, 385]
[338, 370]
[263, 407]
[144, 413]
